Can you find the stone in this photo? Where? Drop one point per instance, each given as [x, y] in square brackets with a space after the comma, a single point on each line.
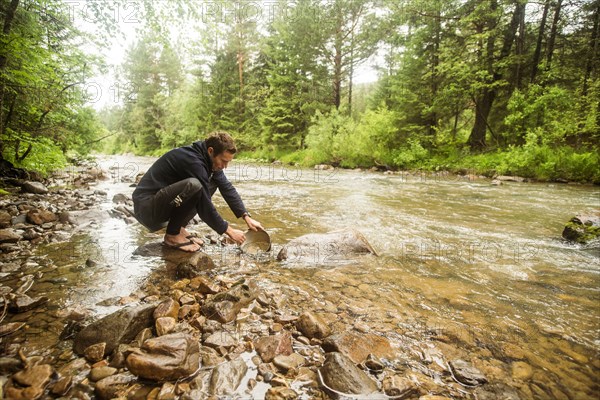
[341, 374]
[34, 187]
[203, 285]
[225, 306]
[119, 327]
[399, 387]
[582, 228]
[5, 219]
[281, 393]
[167, 308]
[521, 371]
[358, 346]
[313, 326]
[194, 266]
[37, 376]
[9, 365]
[112, 386]
[167, 357]
[102, 372]
[9, 236]
[220, 339]
[466, 373]
[120, 198]
[22, 303]
[95, 352]
[507, 178]
[165, 325]
[62, 386]
[226, 377]
[286, 363]
[325, 248]
[268, 347]
[40, 216]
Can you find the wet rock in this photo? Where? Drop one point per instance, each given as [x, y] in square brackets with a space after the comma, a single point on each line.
[34, 187]
[112, 386]
[119, 327]
[5, 219]
[32, 382]
[165, 325]
[521, 371]
[498, 391]
[166, 357]
[22, 303]
[358, 346]
[507, 178]
[466, 373]
[120, 198]
[268, 347]
[95, 352]
[313, 326]
[220, 339]
[342, 375]
[225, 306]
[62, 386]
[203, 285]
[399, 387]
[227, 377]
[8, 365]
[281, 393]
[167, 308]
[40, 217]
[194, 266]
[9, 236]
[325, 248]
[286, 363]
[102, 372]
[373, 363]
[582, 228]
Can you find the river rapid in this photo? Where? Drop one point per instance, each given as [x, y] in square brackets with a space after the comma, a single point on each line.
[465, 269]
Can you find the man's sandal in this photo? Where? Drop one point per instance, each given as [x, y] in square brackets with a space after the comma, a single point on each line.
[179, 246]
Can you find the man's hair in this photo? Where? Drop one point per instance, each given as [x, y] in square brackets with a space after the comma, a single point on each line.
[220, 141]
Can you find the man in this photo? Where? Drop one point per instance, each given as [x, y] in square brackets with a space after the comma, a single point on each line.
[180, 184]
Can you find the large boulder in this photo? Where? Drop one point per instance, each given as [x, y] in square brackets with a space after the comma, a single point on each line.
[342, 375]
[165, 358]
[326, 248]
[34, 187]
[583, 228]
[119, 327]
[226, 377]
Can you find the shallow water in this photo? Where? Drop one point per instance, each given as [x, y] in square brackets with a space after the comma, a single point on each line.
[477, 271]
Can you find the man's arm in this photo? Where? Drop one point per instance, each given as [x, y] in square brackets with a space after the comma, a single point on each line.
[234, 200]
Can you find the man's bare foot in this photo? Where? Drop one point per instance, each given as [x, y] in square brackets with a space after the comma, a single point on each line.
[191, 236]
[180, 242]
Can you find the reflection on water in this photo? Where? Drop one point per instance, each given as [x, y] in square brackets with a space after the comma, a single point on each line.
[479, 268]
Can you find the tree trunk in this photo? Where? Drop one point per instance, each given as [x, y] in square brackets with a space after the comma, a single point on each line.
[593, 51]
[8, 20]
[553, 33]
[537, 54]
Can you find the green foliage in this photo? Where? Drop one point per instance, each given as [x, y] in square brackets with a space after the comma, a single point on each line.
[45, 156]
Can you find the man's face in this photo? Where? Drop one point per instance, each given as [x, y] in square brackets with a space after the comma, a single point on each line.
[220, 161]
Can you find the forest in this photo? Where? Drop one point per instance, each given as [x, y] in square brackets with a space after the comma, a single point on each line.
[507, 87]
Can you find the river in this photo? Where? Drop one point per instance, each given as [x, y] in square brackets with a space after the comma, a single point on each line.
[474, 270]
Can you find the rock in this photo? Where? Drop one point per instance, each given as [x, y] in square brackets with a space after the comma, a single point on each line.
[37, 376]
[165, 325]
[225, 306]
[325, 248]
[312, 326]
[9, 365]
[5, 219]
[342, 375]
[506, 178]
[195, 266]
[466, 373]
[40, 216]
[203, 285]
[496, 182]
[9, 236]
[499, 391]
[281, 393]
[34, 187]
[220, 339]
[286, 363]
[119, 327]
[268, 347]
[22, 303]
[582, 228]
[62, 386]
[399, 387]
[102, 372]
[167, 308]
[521, 371]
[227, 377]
[112, 386]
[167, 357]
[358, 346]
[120, 198]
[95, 352]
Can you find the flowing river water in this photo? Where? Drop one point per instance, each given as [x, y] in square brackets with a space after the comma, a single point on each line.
[465, 269]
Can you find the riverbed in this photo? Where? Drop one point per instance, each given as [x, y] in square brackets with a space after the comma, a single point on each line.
[465, 268]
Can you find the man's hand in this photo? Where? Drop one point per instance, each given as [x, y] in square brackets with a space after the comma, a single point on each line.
[253, 224]
[236, 235]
